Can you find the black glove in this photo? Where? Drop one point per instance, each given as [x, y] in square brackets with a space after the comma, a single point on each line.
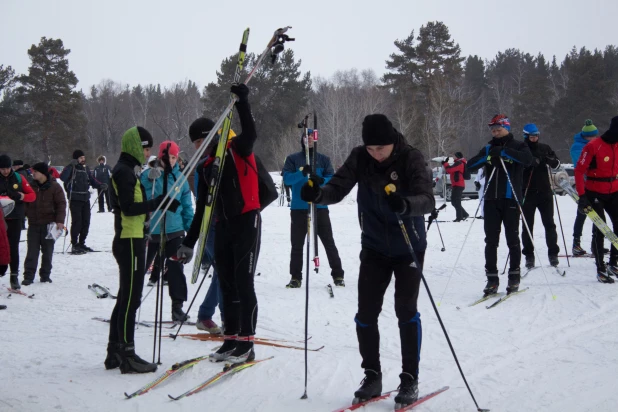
[13, 194]
[318, 179]
[306, 170]
[311, 191]
[583, 203]
[396, 203]
[446, 159]
[103, 186]
[433, 215]
[495, 151]
[242, 91]
[477, 185]
[173, 205]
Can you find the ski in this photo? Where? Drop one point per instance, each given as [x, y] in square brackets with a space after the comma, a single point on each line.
[99, 295]
[173, 370]
[105, 290]
[503, 298]
[359, 405]
[257, 341]
[228, 370]
[171, 322]
[484, 298]
[329, 289]
[148, 325]
[528, 271]
[422, 399]
[19, 292]
[586, 255]
[561, 273]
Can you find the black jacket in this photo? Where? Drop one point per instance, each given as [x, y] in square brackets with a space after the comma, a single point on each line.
[102, 173]
[516, 156]
[77, 184]
[537, 174]
[407, 170]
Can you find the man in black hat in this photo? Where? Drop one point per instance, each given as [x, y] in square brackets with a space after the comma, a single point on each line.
[77, 180]
[102, 174]
[385, 159]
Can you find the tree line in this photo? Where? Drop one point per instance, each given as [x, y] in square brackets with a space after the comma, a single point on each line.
[440, 100]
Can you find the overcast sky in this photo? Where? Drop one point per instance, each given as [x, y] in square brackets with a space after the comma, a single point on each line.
[150, 41]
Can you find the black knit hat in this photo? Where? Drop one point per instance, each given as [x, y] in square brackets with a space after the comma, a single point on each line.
[145, 137]
[200, 128]
[458, 155]
[42, 168]
[78, 153]
[378, 130]
[18, 162]
[5, 161]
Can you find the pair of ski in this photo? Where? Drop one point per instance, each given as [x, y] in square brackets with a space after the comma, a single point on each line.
[101, 292]
[501, 298]
[277, 343]
[228, 369]
[172, 323]
[386, 395]
[19, 292]
[556, 268]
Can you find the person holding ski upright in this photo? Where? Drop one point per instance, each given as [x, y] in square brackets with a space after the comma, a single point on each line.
[295, 173]
[500, 202]
[177, 223]
[456, 173]
[238, 233]
[538, 194]
[596, 180]
[131, 210]
[385, 158]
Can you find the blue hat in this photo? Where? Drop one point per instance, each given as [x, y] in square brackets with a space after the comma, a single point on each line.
[531, 129]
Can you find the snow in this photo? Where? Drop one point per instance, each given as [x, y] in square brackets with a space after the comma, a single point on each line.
[532, 353]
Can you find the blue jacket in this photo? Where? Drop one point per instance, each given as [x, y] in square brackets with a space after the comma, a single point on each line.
[180, 220]
[577, 147]
[293, 176]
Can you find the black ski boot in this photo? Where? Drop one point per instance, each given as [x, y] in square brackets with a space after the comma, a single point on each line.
[514, 278]
[553, 260]
[492, 284]
[77, 250]
[612, 270]
[224, 352]
[371, 387]
[15, 281]
[2, 307]
[177, 314]
[131, 363]
[27, 282]
[294, 283]
[602, 275]
[408, 391]
[85, 248]
[112, 361]
[529, 261]
[339, 282]
[244, 351]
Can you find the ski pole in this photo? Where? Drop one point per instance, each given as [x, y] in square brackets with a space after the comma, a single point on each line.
[309, 216]
[390, 188]
[566, 252]
[442, 240]
[96, 200]
[174, 336]
[66, 220]
[522, 202]
[316, 258]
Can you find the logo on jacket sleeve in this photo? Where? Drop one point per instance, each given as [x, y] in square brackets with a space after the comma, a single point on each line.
[606, 158]
[394, 176]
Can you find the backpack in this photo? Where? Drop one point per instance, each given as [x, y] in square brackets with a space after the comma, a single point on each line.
[266, 186]
[466, 174]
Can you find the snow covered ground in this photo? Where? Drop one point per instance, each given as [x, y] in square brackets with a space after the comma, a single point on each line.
[532, 353]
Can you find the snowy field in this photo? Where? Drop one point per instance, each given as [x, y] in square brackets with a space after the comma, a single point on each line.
[531, 353]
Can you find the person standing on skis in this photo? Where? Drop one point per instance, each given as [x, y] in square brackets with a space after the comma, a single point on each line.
[456, 173]
[385, 158]
[500, 205]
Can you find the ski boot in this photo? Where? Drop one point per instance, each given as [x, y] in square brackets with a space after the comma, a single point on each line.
[612, 270]
[77, 250]
[553, 260]
[493, 282]
[529, 261]
[577, 249]
[514, 277]
[15, 281]
[85, 248]
[602, 274]
[408, 391]
[339, 282]
[27, 282]
[209, 326]
[112, 361]
[152, 282]
[131, 363]
[2, 307]
[224, 352]
[244, 351]
[46, 280]
[294, 283]
[371, 387]
[177, 314]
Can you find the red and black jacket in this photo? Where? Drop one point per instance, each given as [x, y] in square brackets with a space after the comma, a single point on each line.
[238, 189]
[456, 171]
[599, 163]
[10, 186]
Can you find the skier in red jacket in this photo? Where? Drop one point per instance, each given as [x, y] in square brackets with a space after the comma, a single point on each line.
[598, 162]
[456, 172]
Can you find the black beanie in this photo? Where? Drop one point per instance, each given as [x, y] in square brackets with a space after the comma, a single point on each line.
[200, 128]
[378, 130]
[42, 168]
[5, 161]
[458, 155]
[612, 133]
[145, 137]
[78, 153]
[18, 162]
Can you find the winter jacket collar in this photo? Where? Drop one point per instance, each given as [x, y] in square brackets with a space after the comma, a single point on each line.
[501, 141]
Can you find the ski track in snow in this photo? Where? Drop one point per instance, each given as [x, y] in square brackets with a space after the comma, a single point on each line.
[531, 353]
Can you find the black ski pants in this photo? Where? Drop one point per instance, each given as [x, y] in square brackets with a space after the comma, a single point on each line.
[80, 221]
[129, 254]
[237, 246]
[37, 243]
[500, 212]
[456, 194]
[177, 282]
[544, 202]
[298, 229]
[13, 231]
[374, 277]
[602, 203]
[103, 200]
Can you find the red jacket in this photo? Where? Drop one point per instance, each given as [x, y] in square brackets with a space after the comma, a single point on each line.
[599, 163]
[54, 172]
[456, 171]
[5, 251]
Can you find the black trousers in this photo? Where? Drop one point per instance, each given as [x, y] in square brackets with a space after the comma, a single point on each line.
[298, 230]
[497, 213]
[456, 193]
[374, 277]
[37, 243]
[177, 282]
[545, 204]
[602, 203]
[104, 199]
[80, 221]
[237, 246]
[13, 231]
[129, 254]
